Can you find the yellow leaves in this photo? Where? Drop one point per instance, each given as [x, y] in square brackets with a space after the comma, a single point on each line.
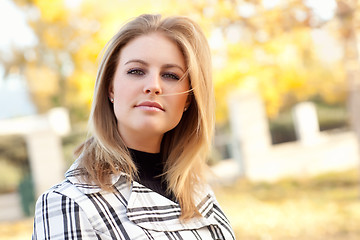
[332, 84]
[272, 100]
[82, 87]
[52, 38]
[88, 53]
[43, 84]
[51, 11]
[13, 230]
[284, 70]
[225, 8]
[230, 77]
[270, 54]
[42, 80]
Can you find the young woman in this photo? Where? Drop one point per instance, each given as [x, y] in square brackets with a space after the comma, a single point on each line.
[140, 174]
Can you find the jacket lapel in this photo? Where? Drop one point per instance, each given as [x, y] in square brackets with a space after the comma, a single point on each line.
[147, 208]
[75, 175]
[153, 211]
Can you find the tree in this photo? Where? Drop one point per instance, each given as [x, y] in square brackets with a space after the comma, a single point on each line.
[269, 47]
[62, 68]
[348, 17]
[265, 46]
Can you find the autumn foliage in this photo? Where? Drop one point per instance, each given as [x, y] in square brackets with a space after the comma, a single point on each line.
[267, 49]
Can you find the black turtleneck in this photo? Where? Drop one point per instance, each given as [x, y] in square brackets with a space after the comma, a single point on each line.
[150, 167]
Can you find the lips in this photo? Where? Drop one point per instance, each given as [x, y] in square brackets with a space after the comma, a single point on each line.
[150, 104]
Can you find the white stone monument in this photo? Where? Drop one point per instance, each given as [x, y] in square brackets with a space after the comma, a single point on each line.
[306, 123]
[42, 134]
[249, 126]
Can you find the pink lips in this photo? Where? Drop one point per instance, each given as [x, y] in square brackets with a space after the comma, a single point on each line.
[150, 105]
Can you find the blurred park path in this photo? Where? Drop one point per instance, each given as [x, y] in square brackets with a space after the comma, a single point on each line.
[16, 230]
[10, 206]
[336, 151]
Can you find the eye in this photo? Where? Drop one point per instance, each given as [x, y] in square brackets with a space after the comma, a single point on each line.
[135, 71]
[171, 76]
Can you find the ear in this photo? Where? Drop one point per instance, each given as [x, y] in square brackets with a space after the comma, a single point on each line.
[188, 101]
[111, 91]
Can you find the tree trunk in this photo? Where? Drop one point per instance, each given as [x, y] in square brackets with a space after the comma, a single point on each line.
[346, 14]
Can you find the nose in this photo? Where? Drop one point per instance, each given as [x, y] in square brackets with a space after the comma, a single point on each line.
[153, 85]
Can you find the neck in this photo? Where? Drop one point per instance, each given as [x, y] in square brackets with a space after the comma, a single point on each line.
[142, 142]
[143, 148]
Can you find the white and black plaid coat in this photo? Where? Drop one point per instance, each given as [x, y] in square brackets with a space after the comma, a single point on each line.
[77, 210]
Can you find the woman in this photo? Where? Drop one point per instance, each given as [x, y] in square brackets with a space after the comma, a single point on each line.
[139, 175]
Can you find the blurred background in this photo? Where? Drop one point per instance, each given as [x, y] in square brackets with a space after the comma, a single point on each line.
[285, 161]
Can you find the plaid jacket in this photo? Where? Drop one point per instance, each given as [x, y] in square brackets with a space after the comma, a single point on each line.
[77, 210]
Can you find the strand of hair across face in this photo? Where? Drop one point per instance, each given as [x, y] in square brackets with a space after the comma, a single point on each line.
[178, 93]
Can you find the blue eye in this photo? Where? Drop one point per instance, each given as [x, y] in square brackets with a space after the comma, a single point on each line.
[135, 72]
[171, 76]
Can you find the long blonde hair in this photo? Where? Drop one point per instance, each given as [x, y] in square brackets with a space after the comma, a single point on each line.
[185, 147]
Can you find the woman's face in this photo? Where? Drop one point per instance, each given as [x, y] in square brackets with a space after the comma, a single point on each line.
[148, 90]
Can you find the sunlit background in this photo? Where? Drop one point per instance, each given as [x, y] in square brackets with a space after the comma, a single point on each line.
[287, 84]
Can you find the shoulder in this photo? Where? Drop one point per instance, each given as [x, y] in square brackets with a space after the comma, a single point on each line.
[54, 193]
[59, 216]
[51, 201]
[210, 208]
[74, 188]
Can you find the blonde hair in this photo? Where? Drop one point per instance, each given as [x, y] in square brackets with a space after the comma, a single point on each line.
[185, 147]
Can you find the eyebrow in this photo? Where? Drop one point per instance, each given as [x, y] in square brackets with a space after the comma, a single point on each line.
[170, 65]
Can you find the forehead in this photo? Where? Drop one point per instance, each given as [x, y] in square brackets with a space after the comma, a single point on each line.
[153, 48]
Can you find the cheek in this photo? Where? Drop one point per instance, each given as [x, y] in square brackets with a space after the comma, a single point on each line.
[123, 91]
[121, 99]
[180, 104]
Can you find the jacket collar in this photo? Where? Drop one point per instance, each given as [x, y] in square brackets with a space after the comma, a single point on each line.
[148, 209]
[153, 211]
[75, 175]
